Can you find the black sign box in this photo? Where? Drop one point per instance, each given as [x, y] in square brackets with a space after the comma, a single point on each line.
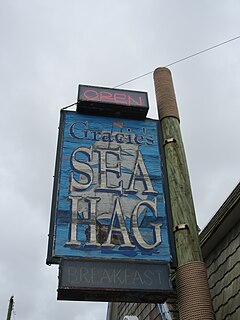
[112, 102]
[113, 281]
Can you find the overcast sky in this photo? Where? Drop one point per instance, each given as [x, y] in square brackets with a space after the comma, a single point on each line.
[47, 49]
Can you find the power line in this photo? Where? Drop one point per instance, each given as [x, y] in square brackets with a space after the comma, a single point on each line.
[143, 75]
[182, 59]
[73, 104]
[170, 64]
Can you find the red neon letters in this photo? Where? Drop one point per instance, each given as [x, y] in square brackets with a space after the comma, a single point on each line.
[116, 98]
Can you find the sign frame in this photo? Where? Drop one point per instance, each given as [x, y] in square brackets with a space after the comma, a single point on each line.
[51, 258]
[113, 281]
[112, 102]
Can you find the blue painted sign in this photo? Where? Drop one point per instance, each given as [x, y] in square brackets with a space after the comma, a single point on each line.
[108, 200]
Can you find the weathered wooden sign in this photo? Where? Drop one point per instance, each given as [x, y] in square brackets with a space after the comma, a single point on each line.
[108, 199]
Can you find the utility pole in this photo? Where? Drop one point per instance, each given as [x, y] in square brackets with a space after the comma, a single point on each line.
[10, 308]
[193, 294]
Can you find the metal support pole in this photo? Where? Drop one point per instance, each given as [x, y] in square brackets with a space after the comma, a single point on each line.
[10, 308]
[192, 286]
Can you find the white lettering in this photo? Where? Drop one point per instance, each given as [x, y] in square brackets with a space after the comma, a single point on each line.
[74, 221]
[85, 170]
[140, 174]
[92, 220]
[106, 166]
[118, 218]
[135, 229]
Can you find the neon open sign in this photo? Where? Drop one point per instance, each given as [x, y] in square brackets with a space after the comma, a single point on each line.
[112, 102]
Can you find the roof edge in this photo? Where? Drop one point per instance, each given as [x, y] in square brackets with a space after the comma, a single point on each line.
[221, 214]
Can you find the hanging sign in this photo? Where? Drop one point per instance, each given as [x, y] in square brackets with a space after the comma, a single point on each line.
[108, 198]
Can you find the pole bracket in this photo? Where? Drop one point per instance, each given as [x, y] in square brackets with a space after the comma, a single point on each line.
[169, 140]
[182, 226]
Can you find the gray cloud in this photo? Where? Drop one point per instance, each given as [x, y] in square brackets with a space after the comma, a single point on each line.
[47, 49]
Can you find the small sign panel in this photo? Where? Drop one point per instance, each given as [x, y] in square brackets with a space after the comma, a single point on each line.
[108, 197]
[112, 102]
[113, 281]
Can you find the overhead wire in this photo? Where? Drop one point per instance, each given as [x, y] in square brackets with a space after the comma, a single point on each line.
[180, 60]
[71, 105]
[170, 64]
